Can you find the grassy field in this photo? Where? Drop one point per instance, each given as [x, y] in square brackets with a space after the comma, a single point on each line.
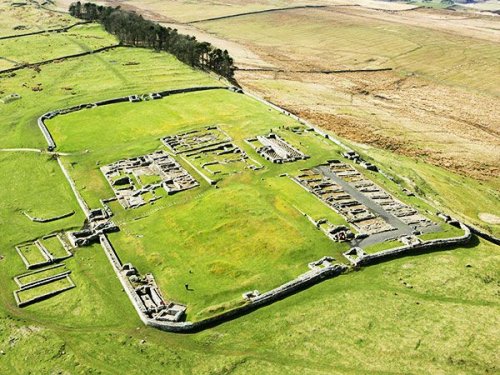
[223, 260]
[29, 18]
[35, 48]
[55, 247]
[360, 323]
[33, 183]
[121, 72]
[411, 315]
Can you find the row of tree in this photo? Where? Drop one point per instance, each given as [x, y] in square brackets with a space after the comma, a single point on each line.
[131, 28]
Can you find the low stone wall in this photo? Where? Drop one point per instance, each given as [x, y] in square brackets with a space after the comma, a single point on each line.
[78, 197]
[59, 30]
[51, 145]
[302, 282]
[43, 296]
[44, 62]
[297, 118]
[413, 248]
[486, 236]
[48, 220]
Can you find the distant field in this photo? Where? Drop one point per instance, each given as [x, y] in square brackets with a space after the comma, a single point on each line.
[96, 77]
[186, 10]
[331, 39]
[47, 46]
[28, 18]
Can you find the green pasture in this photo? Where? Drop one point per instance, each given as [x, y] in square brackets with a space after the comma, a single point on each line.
[420, 306]
[410, 315]
[248, 233]
[33, 183]
[110, 74]
[28, 18]
[40, 47]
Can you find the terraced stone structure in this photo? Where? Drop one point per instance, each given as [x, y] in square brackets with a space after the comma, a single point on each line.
[356, 213]
[275, 149]
[196, 139]
[367, 207]
[405, 213]
[140, 180]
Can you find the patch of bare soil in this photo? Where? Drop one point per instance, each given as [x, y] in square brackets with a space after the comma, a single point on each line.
[489, 218]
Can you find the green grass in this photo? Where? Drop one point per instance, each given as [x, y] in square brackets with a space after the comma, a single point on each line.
[386, 245]
[42, 274]
[224, 260]
[76, 81]
[47, 46]
[55, 247]
[338, 326]
[32, 254]
[28, 294]
[30, 17]
[196, 237]
[33, 182]
[363, 322]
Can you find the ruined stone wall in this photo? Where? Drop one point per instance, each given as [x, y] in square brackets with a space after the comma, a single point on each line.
[44, 62]
[414, 248]
[59, 30]
[51, 145]
[302, 282]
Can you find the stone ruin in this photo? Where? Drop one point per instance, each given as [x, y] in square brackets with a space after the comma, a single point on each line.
[10, 98]
[275, 149]
[321, 263]
[152, 303]
[336, 198]
[45, 255]
[140, 180]
[355, 255]
[337, 233]
[214, 159]
[196, 139]
[354, 156]
[98, 222]
[403, 212]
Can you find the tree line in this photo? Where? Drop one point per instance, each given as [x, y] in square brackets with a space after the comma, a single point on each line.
[131, 28]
